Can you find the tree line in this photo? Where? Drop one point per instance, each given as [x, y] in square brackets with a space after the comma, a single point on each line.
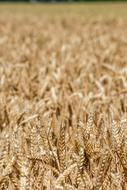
[62, 0]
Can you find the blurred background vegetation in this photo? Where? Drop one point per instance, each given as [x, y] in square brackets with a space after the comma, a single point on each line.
[62, 1]
[92, 7]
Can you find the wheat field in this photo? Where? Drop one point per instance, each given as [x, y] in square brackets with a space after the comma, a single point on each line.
[63, 98]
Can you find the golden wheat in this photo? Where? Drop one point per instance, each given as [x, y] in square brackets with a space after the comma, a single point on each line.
[63, 102]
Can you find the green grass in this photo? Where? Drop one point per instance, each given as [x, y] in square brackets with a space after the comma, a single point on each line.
[119, 9]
